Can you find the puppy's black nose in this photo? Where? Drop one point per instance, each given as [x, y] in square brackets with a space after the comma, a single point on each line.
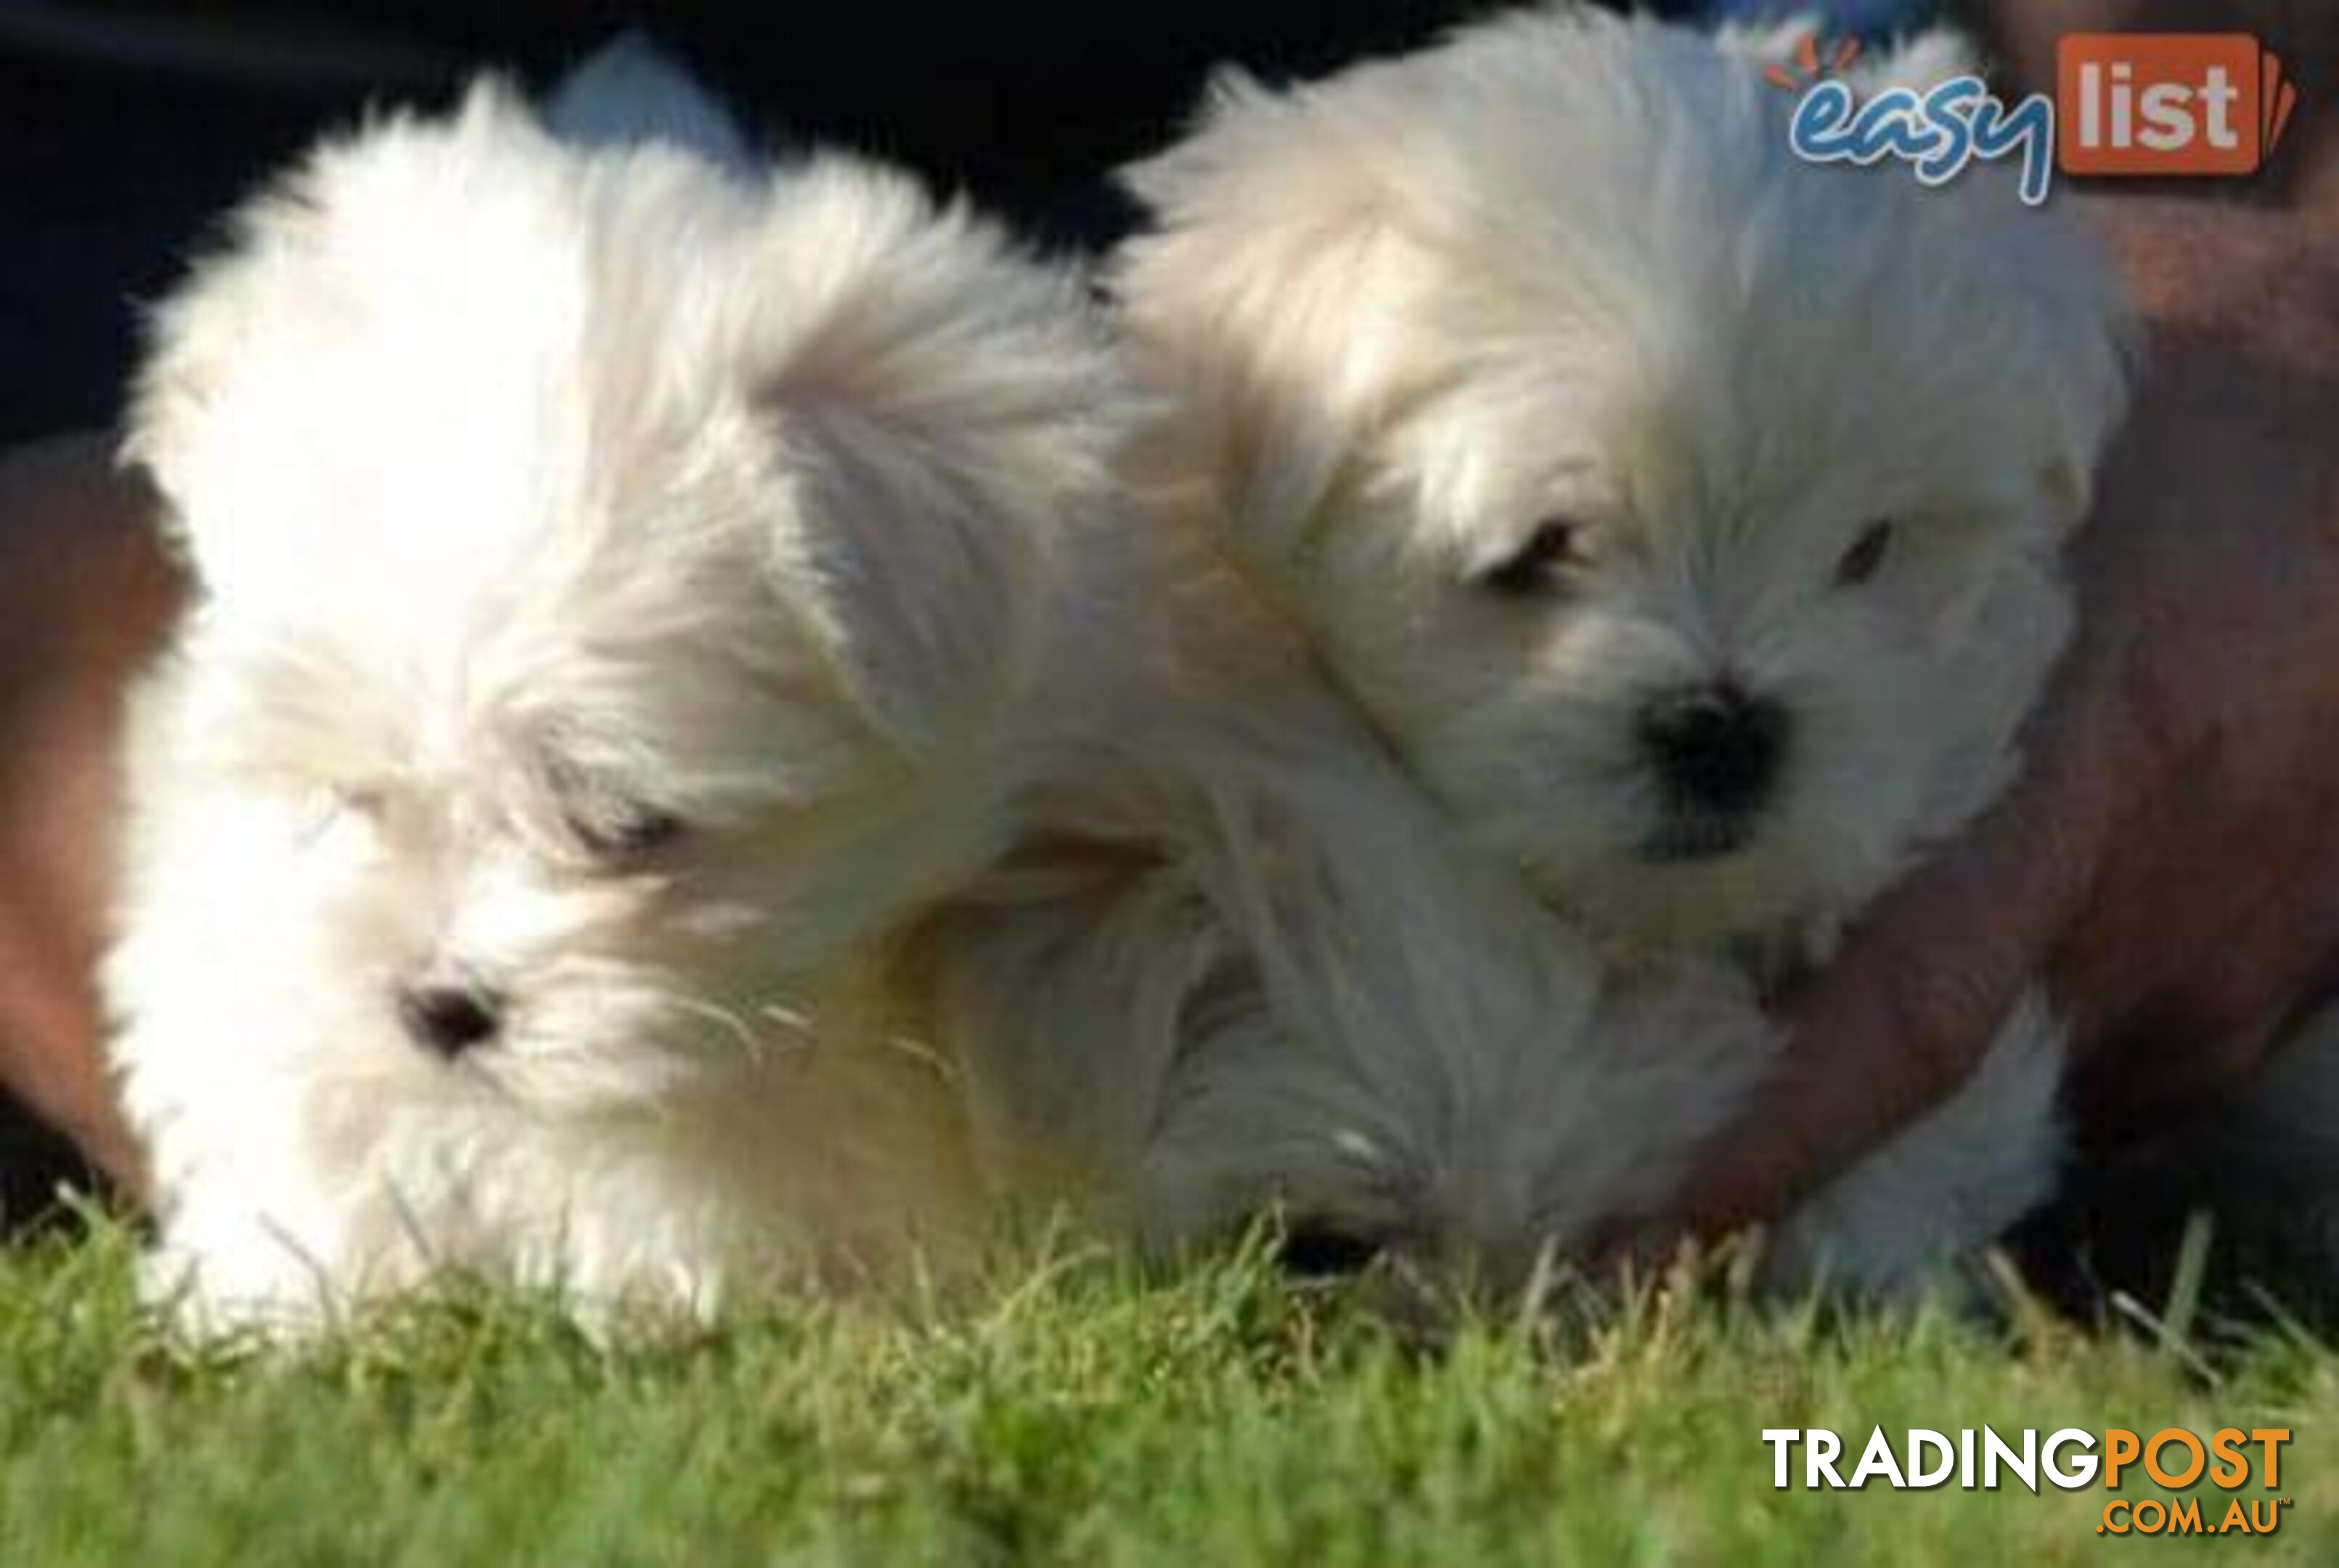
[449, 1019]
[1715, 748]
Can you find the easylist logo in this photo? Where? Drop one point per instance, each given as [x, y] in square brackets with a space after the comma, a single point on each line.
[2125, 103]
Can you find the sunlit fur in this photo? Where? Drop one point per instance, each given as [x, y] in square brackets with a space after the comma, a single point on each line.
[1565, 267]
[533, 493]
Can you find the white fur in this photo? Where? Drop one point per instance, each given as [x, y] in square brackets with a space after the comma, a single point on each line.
[530, 488]
[1239, 967]
[1567, 266]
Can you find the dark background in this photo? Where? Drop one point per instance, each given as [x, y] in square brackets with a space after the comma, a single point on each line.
[124, 129]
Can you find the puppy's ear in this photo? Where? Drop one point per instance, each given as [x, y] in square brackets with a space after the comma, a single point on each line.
[2050, 279]
[2067, 335]
[946, 413]
[1264, 295]
[2049, 270]
[2087, 339]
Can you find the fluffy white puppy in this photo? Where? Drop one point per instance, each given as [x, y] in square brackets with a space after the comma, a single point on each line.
[619, 576]
[1685, 517]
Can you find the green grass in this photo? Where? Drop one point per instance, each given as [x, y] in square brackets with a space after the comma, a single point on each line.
[1074, 1412]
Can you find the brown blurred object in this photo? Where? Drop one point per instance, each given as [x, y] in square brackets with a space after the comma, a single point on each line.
[86, 598]
[2021, 37]
[2194, 949]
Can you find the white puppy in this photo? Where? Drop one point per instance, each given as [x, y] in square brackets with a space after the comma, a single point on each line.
[1684, 516]
[619, 577]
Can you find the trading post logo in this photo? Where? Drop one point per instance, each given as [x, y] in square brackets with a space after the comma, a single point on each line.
[2242, 1465]
[2125, 103]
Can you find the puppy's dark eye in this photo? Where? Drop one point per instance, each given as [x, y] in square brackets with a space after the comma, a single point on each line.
[1556, 544]
[600, 816]
[624, 830]
[1861, 562]
[358, 799]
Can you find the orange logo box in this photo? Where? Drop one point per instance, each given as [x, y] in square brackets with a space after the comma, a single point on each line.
[2167, 103]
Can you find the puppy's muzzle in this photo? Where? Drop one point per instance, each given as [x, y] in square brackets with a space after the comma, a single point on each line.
[1717, 751]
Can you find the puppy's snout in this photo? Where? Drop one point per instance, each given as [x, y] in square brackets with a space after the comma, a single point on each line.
[1715, 747]
[449, 1019]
